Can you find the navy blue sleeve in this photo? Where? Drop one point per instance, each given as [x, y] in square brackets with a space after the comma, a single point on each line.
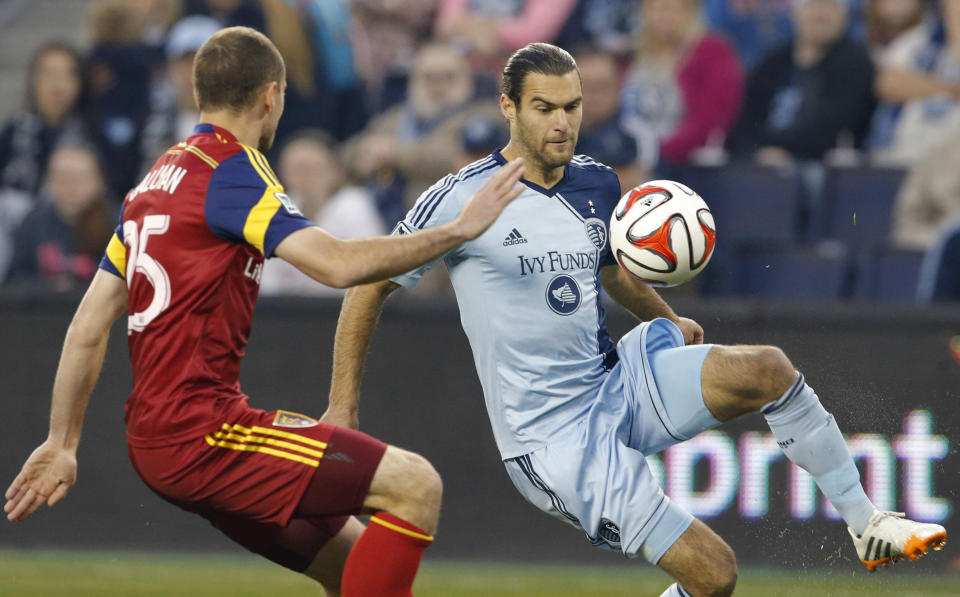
[609, 198]
[246, 203]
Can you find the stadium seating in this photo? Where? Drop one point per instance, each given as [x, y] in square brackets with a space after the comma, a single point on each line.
[759, 213]
[750, 204]
[940, 270]
[791, 273]
[887, 274]
[857, 204]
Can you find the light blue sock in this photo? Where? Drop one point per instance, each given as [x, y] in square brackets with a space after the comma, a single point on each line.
[810, 438]
[675, 590]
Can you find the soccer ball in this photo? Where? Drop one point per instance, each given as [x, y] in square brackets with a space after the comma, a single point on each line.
[662, 233]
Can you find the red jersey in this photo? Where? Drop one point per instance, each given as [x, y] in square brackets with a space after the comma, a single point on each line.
[191, 243]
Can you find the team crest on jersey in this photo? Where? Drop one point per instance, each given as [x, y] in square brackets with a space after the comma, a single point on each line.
[596, 232]
[563, 295]
[288, 419]
[609, 533]
[287, 203]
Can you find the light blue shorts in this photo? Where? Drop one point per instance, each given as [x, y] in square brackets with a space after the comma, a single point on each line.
[597, 478]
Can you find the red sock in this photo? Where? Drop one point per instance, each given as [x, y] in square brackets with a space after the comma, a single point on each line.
[384, 560]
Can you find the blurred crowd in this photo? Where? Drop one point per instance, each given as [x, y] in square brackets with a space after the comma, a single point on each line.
[387, 96]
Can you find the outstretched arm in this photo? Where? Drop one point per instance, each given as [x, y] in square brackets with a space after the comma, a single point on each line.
[51, 469]
[344, 263]
[900, 85]
[644, 303]
[358, 319]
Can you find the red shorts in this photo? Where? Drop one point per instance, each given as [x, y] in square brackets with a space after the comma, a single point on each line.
[279, 483]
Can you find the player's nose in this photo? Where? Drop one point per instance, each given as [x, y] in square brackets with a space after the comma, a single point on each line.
[561, 123]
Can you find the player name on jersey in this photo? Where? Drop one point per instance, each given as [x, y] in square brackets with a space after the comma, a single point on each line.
[165, 178]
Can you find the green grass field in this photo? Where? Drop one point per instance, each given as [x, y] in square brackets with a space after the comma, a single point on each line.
[99, 574]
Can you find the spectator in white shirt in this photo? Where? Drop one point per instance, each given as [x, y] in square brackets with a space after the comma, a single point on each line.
[317, 183]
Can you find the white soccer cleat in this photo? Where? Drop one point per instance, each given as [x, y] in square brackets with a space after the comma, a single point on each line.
[890, 537]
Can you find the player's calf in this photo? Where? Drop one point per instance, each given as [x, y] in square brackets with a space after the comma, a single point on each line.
[327, 566]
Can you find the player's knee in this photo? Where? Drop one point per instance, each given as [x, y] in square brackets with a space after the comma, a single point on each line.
[724, 577]
[426, 487]
[422, 493]
[758, 374]
[407, 485]
[773, 371]
[416, 484]
[702, 562]
[718, 574]
[742, 379]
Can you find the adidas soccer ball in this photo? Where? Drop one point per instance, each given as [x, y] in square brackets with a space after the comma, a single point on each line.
[662, 233]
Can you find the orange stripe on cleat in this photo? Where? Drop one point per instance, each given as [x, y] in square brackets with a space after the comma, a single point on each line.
[872, 564]
[916, 547]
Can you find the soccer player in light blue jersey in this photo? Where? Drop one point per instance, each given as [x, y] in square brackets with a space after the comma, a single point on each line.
[574, 415]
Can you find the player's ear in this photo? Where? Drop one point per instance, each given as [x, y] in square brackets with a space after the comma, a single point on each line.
[269, 97]
[507, 107]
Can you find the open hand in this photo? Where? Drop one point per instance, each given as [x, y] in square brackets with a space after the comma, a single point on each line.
[46, 476]
[486, 204]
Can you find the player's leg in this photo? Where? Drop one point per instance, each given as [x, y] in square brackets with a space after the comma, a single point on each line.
[327, 566]
[735, 380]
[740, 379]
[653, 403]
[316, 547]
[625, 510]
[702, 562]
[361, 474]
[405, 493]
[400, 483]
[406, 485]
[283, 485]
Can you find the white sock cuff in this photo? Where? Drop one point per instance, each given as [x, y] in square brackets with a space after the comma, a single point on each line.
[787, 397]
[675, 590]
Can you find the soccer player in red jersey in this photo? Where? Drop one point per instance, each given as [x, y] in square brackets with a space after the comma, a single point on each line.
[185, 263]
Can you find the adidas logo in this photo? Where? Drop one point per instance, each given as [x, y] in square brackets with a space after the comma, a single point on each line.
[514, 238]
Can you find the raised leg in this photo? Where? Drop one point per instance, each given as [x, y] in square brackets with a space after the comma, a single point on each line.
[741, 379]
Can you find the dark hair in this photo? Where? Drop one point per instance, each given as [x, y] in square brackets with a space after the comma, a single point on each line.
[880, 32]
[538, 57]
[232, 66]
[80, 103]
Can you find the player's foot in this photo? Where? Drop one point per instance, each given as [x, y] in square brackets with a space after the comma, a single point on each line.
[890, 536]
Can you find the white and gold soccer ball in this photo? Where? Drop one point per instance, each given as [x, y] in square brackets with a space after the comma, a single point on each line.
[662, 233]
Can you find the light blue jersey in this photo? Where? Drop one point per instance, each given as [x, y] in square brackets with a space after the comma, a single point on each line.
[573, 415]
[529, 296]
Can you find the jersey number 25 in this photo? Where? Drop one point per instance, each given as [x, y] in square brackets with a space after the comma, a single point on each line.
[139, 262]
